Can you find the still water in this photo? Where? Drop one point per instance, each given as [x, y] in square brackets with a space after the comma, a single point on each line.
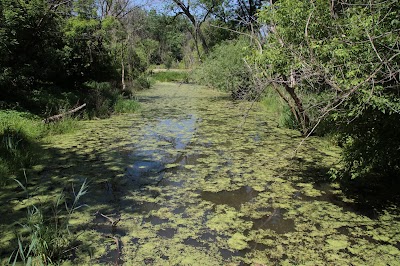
[196, 179]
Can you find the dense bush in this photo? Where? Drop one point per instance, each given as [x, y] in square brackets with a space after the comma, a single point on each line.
[142, 82]
[336, 67]
[171, 76]
[372, 147]
[225, 69]
[126, 106]
[101, 98]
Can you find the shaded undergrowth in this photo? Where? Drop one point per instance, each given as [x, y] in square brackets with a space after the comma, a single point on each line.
[43, 236]
[45, 222]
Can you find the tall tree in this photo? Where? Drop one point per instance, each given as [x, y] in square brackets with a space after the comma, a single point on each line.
[246, 11]
[197, 12]
[338, 62]
[31, 39]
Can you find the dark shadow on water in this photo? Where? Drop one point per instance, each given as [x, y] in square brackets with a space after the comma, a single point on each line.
[113, 254]
[368, 199]
[274, 222]
[166, 232]
[233, 198]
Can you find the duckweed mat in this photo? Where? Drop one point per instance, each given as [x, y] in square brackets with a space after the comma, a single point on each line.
[193, 180]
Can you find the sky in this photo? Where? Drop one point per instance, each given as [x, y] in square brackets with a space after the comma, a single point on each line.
[151, 4]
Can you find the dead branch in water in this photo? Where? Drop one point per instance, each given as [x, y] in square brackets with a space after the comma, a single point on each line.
[55, 118]
[111, 220]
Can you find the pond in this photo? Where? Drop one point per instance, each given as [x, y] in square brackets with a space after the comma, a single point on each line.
[196, 179]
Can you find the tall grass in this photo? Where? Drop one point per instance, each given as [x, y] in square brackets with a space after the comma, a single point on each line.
[126, 106]
[20, 134]
[43, 240]
[272, 103]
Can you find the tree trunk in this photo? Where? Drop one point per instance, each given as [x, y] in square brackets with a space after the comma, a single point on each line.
[123, 74]
[197, 32]
[202, 39]
[300, 114]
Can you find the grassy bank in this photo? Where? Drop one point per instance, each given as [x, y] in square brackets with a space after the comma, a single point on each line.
[20, 135]
[275, 105]
[41, 228]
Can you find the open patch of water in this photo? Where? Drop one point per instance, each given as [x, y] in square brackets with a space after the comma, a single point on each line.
[274, 222]
[233, 198]
[168, 138]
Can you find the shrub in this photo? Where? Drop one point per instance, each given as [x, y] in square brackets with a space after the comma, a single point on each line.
[171, 76]
[225, 69]
[371, 147]
[169, 60]
[101, 99]
[126, 106]
[142, 82]
[274, 104]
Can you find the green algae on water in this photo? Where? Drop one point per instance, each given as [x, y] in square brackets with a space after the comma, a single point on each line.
[194, 185]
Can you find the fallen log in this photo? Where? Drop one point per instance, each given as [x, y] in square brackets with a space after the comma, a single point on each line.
[55, 118]
[111, 220]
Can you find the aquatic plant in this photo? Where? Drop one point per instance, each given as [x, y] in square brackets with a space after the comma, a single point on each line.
[42, 240]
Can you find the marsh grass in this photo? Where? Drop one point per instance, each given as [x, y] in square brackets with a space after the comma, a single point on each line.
[44, 240]
[20, 135]
[64, 126]
[274, 104]
[171, 76]
[126, 106]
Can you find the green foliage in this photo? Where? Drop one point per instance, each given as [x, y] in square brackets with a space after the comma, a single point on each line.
[126, 106]
[101, 98]
[225, 69]
[20, 134]
[341, 61]
[142, 82]
[84, 55]
[169, 61]
[170, 76]
[274, 104]
[17, 152]
[371, 147]
[42, 238]
[64, 126]
[167, 37]
[26, 54]
[217, 32]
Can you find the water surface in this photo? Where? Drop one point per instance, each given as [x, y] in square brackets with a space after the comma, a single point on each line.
[192, 184]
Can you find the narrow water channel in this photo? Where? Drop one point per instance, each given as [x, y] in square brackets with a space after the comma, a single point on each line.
[195, 181]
